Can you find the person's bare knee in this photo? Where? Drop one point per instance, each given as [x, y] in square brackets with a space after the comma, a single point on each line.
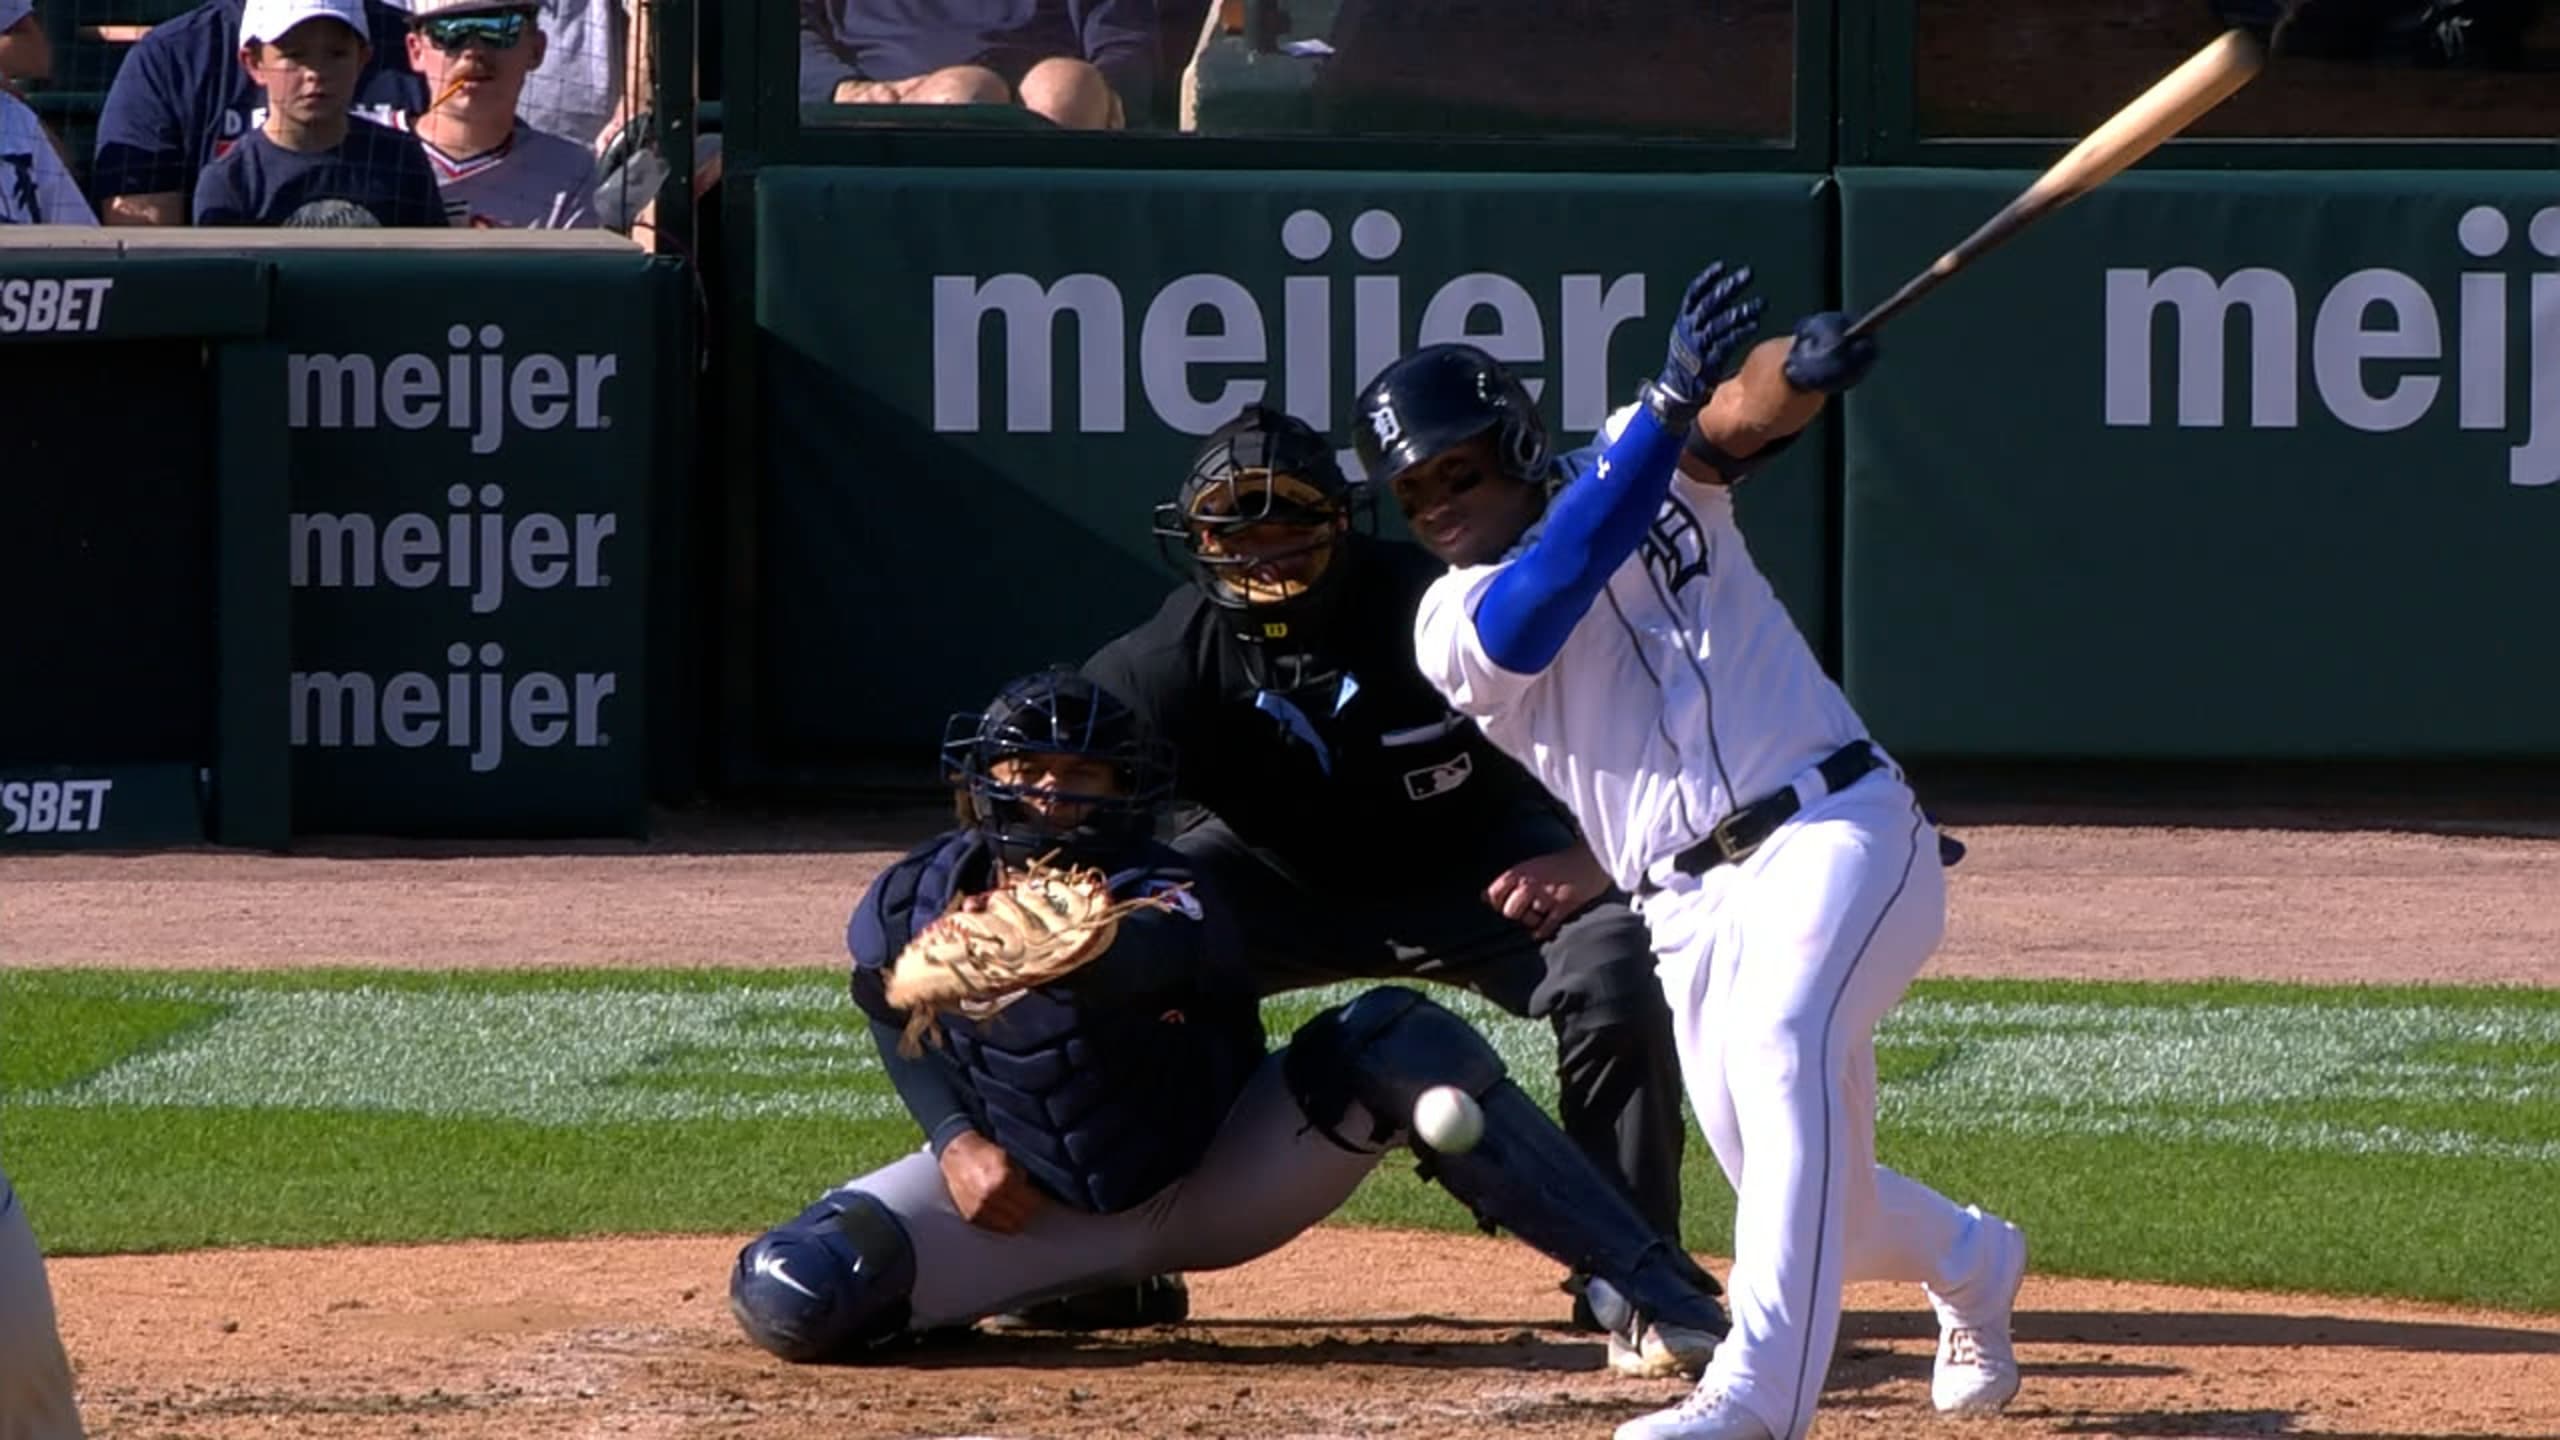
[1070, 93]
[959, 85]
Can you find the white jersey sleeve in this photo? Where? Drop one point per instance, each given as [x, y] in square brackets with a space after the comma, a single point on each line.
[35, 187]
[1451, 653]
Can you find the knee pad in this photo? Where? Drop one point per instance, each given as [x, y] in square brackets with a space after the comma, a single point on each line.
[829, 1284]
[1382, 1050]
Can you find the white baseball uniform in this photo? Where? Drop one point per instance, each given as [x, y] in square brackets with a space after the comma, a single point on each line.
[35, 1379]
[1684, 691]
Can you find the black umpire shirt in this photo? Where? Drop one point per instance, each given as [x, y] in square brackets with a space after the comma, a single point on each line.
[1363, 778]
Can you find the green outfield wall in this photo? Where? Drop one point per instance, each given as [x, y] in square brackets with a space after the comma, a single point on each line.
[975, 385]
[350, 535]
[2210, 465]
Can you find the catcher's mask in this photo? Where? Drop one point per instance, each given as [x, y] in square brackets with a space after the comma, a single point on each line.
[1440, 397]
[1055, 712]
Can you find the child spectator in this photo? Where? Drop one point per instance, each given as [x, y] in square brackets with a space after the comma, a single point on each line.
[181, 100]
[307, 54]
[494, 170]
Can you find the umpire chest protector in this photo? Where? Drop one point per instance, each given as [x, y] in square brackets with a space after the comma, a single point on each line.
[1106, 1086]
[1359, 761]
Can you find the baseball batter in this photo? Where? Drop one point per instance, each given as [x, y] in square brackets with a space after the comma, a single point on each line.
[1124, 1120]
[1610, 630]
[35, 1379]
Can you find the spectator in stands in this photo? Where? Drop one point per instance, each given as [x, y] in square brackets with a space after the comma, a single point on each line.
[181, 100]
[494, 170]
[36, 187]
[598, 60]
[1082, 64]
[26, 51]
[308, 54]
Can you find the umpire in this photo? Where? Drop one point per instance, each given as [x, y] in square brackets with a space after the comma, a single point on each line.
[1358, 827]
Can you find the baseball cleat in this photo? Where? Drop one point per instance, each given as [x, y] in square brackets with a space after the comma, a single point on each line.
[1708, 1414]
[1156, 1300]
[1658, 1349]
[1977, 1369]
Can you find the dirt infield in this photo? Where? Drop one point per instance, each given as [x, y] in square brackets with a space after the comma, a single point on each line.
[1344, 1333]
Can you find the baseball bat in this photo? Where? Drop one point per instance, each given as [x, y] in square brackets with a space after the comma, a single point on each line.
[2209, 77]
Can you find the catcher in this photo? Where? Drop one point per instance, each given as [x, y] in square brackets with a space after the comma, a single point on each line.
[1070, 1023]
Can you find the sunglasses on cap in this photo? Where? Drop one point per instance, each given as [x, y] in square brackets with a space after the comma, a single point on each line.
[500, 30]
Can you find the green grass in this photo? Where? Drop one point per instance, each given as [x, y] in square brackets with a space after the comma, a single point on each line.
[2349, 1141]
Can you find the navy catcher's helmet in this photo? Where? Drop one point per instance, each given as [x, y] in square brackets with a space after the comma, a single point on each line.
[1438, 398]
[1261, 468]
[1056, 712]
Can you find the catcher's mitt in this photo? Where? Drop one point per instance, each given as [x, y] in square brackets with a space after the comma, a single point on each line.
[1042, 923]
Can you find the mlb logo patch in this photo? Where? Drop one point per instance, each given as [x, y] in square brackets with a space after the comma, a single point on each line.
[1433, 780]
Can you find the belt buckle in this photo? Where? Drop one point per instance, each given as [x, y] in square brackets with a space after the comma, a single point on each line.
[1726, 835]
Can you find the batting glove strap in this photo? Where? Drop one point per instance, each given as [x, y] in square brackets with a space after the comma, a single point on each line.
[1733, 467]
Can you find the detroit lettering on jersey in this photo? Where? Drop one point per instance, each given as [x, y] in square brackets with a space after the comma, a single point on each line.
[1735, 703]
[180, 100]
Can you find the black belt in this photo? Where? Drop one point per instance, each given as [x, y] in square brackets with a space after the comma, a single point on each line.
[1737, 835]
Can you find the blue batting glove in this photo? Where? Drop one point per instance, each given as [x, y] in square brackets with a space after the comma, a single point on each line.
[1714, 323]
[1824, 358]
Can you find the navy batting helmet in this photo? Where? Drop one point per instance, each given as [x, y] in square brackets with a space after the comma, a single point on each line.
[1056, 712]
[1438, 398]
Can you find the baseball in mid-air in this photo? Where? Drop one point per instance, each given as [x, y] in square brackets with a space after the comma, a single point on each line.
[1448, 1119]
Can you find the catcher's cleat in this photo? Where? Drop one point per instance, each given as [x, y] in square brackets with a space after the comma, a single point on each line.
[1156, 1300]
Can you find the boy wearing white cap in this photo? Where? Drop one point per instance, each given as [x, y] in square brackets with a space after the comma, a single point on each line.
[494, 170]
[36, 188]
[308, 55]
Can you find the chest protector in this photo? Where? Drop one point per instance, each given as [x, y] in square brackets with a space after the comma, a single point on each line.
[1104, 1093]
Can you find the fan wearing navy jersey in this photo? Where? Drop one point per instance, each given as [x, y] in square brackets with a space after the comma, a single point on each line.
[1124, 1121]
[308, 54]
[1361, 828]
[493, 169]
[181, 100]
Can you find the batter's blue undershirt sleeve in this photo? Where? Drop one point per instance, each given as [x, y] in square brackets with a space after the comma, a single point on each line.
[1592, 526]
[925, 1085]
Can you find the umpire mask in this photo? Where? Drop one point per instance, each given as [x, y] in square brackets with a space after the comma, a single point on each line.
[1262, 521]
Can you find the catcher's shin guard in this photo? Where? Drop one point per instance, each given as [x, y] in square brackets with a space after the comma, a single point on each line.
[831, 1283]
[1525, 1175]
